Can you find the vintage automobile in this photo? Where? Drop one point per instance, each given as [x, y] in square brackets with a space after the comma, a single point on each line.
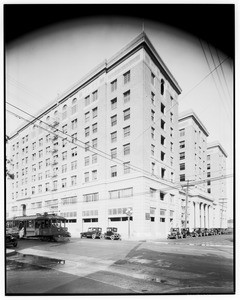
[111, 233]
[92, 232]
[11, 240]
[175, 234]
[185, 232]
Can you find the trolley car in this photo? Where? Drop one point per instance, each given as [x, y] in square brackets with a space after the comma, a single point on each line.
[47, 227]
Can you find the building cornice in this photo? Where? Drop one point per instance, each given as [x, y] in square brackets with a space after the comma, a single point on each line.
[191, 114]
[216, 144]
[141, 41]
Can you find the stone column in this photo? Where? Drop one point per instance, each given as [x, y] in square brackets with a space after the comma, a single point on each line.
[197, 215]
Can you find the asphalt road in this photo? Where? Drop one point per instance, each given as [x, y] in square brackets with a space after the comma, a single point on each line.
[84, 266]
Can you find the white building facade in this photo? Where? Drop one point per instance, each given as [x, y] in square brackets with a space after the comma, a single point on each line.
[108, 144]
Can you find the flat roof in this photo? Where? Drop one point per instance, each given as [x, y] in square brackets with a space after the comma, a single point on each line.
[216, 144]
[191, 114]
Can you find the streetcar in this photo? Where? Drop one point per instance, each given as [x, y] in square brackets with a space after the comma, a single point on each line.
[46, 227]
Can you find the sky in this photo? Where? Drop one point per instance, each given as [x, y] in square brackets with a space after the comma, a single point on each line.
[42, 63]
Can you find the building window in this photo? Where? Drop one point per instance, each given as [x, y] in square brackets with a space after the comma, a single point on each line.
[152, 115]
[114, 136]
[209, 190]
[171, 161]
[86, 176]
[126, 114]
[64, 114]
[152, 79]
[64, 128]
[113, 171]
[153, 168]
[122, 193]
[114, 120]
[153, 98]
[126, 167]
[91, 197]
[94, 143]
[182, 144]
[182, 155]
[152, 132]
[64, 142]
[74, 124]
[163, 173]
[162, 156]
[208, 174]
[208, 182]
[86, 161]
[126, 96]
[113, 85]
[95, 95]
[64, 182]
[40, 142]
[54, 185]
[74, 137]
[87, 146]
[208, 157]
[126, 131]
[163, 124]
[162, 87]
[162, 196]
[64, 155]
[208, 166]
[171, 146]
[64, 168]
[182, 166]
[114, 153]
[162, 108]
[87, 100]
[182, 177]
[94, 175]
[74, 165]
[94, 158]
[94, 128]
[95, 112]
[74, 151]
[171, 117]
[171, 131]
[87, 116]
[73, 180]
[87, 131]
[74, 106]
[182, 132]
[126, 149]
[114, 103]
[152, 149]
[126, 77]
[163, 140]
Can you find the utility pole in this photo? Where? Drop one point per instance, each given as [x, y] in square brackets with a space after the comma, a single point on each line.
[128, 213]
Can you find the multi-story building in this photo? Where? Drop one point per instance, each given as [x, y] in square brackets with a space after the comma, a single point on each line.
[216, 186]
[109, 144]
[193, 172]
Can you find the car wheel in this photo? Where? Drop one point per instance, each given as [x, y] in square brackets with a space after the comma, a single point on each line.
[93, 236]
[102, 236]
[112, 237]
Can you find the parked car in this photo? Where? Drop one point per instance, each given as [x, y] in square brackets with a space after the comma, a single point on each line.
[11, 240]
[185, 232]
[92, 232]
[111, 233]
[175, 234]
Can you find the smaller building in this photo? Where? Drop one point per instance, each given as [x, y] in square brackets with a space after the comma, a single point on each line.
[199, 209]
[216, 185]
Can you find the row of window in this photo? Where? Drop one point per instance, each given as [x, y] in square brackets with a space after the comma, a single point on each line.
[126, 79]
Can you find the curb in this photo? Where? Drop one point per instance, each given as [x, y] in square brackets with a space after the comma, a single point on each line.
[192, 244]
[10, 252]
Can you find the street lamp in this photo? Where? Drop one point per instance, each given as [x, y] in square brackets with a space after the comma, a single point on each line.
[128, 213]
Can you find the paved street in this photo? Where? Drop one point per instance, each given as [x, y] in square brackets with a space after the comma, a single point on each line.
[86, 266]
